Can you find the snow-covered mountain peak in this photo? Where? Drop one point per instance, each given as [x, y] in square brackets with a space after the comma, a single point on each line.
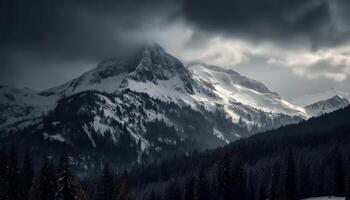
[320, 96]
[326, 106]
[228, 76]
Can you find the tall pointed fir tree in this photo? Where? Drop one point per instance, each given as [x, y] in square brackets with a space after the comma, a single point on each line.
[27, 176]
[189, 188]
[172, 192]
[202, 187]
[238, 178]
[274, 189]
[124, 192]
[106, 190]
[290, 191]
[45, 186]
[67, 186]
[3, 174]
[153, 196]
[347, 179]
[224, 178]
[262, 193]
[13, 188]
[338, 182]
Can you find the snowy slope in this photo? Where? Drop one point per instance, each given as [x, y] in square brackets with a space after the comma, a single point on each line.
[230, 86]
[22, 104]
[326, 106]
[321, 96]
[148, 104]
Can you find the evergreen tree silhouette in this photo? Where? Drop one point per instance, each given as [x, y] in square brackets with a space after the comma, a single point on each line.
[339, 172]
[67, 187]
[290, 192]
[189, 190]
[238, 179]
[172, 192]
[202, 186]
[3, 174]
[13, 188]
[124, 192]
[45, 184]
[106, 187]
[27, 176]
[262, 193]
[347, 179]
[275, 183]
[224, 178]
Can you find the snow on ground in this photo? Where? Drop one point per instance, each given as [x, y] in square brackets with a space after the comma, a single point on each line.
[220, 135]
[86, 129]
[326, 198]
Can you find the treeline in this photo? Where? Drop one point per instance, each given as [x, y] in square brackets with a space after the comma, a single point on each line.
[55, 181]
[232, 179]
[320, 149]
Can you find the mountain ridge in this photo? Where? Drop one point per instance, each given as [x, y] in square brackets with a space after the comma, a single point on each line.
[147, 106]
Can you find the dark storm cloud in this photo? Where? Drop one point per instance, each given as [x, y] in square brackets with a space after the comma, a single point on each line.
[73, 28]
[41, 34]
[54, 40]
[282, 21]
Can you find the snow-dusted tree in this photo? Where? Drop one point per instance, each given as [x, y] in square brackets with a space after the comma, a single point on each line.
[67, 184]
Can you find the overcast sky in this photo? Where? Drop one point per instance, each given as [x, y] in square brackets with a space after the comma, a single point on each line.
[295, 47]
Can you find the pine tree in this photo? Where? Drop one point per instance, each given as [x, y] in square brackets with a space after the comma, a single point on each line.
[224, 178]
[347, 179]
[13, 189]
[67, 187]
[189, 190]
[3, 174]
[27, 175]
[275, 183]
[262, 193]
[238, 179]
[106, 187]
[45, 184]
[290, 192]
[153, 196]
[339, 172]
[202, 187]
[124, 192]
[172, 192]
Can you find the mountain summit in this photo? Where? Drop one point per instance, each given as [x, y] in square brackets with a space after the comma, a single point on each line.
[141, 107]
[326, 106]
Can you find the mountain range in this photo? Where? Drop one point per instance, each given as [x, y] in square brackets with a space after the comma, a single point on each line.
[143, 107]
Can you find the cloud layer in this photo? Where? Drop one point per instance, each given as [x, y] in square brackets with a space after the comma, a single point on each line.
[58, 40]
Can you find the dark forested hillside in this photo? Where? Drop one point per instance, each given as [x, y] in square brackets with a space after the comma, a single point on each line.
[314, 153]
[293, 162]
